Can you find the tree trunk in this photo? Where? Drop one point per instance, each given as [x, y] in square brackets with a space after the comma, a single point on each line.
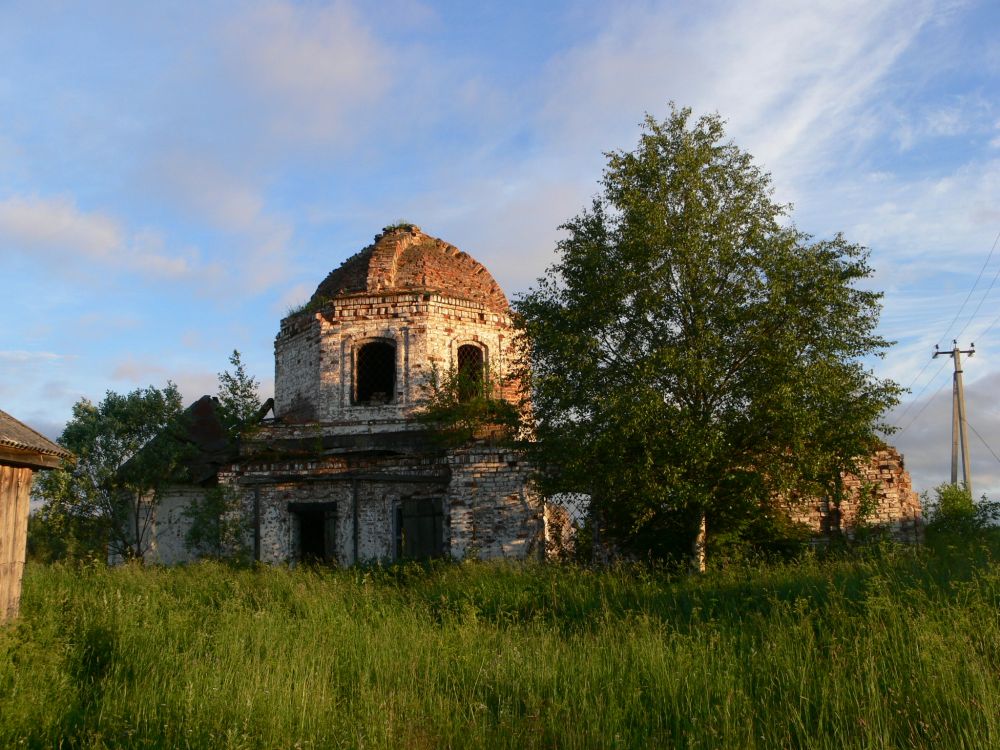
[698, 546]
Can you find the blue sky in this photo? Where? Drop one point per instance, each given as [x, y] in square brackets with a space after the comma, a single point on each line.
[174, 176]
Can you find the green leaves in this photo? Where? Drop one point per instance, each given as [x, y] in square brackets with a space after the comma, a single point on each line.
[461, 407]
[127, 446]
[690, 351]
[239, 395]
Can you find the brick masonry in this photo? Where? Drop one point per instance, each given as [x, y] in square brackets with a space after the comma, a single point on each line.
[316, 354]
[350, 467]
[879, 498]
[354, 464]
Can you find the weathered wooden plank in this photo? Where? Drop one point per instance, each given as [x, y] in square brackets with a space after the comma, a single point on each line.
[24, 477]
[29, 458]
[8, 500]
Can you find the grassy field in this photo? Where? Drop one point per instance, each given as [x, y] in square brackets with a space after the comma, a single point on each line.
[898, 649]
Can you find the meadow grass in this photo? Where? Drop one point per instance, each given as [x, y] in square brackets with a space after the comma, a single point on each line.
[897, 648]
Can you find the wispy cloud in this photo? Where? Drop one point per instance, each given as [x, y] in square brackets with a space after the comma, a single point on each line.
[789, 89]
[18, 355]
[209, 192]
[310, 69]
[55, 229]
[797, 93]
[56, 224]
[134, 370]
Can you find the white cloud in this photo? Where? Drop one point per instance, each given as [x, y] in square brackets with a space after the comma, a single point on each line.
[310, 68]
[134, 370]
[55, 229]
[57, 224]
[21, 356]
[788, 77]
[205, 189]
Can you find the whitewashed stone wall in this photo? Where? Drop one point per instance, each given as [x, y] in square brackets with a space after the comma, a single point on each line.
[164, 526]
[494, 511]
[359, 462]
[315, 353]
[170, 526]
[296, 369]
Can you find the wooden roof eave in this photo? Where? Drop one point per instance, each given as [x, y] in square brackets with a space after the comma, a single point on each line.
[29, 458]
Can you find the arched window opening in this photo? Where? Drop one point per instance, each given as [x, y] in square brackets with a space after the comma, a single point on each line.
[375, 373]
[470, 372]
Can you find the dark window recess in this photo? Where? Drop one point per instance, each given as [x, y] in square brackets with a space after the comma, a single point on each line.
[317, 529]
[419, 529]
[470, 371]
[375, 373]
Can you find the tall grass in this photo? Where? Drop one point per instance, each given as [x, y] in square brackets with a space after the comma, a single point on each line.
[901, 649]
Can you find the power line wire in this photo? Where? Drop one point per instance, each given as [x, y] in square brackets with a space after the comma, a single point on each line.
[922, 409]
[967, 296]
[989, 327]
[985, 295]
[923, 369]
[982, 440]
[917, 376]
[919, 394]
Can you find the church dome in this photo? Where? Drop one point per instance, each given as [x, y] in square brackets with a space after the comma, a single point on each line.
[404, 259]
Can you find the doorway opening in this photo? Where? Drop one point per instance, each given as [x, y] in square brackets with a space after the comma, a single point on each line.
[317, 524]
[419, 529]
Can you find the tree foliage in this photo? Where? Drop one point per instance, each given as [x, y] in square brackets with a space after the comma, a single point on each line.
[954, 514]
[239, 395]
[127, 447]
[460, 407]
[692, 352]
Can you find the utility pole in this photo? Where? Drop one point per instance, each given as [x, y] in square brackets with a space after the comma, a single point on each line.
[959, 429]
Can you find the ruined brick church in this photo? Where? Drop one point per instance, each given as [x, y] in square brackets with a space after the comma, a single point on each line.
[344, 473]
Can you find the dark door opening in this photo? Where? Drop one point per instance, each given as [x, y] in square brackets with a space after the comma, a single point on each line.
[317, 527]
[419, 529]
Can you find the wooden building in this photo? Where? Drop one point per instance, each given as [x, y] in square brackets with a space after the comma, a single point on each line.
[22, 452]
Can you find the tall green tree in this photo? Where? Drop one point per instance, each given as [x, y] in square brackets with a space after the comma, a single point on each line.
[127, 447]
[239, 395]
[693, 355]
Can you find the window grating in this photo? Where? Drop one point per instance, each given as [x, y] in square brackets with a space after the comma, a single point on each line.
[375, 373]
[470, 371]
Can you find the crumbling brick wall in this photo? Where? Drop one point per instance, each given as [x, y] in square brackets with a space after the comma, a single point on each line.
[879, 497]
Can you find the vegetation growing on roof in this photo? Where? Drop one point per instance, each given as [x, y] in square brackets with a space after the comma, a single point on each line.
[399, 224]
[239, 396]
[313, 305]
[461, 407]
